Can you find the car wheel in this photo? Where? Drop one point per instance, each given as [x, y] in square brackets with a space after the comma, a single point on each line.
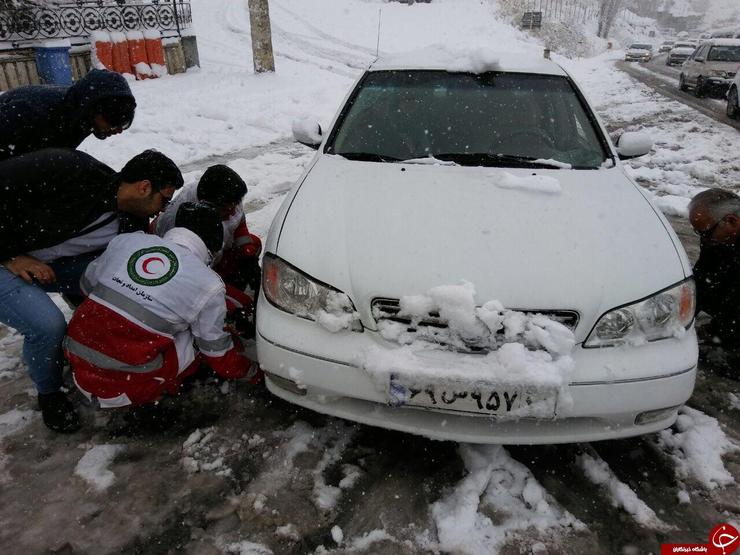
[700, 88]
[682, 83]
[733, 108]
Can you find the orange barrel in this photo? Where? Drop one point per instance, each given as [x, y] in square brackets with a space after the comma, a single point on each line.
[137, 54]
[121, 59]
[155, 52]
[101, 50]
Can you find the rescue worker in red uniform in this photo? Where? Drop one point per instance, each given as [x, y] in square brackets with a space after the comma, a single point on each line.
[150, 299]
[222, 187]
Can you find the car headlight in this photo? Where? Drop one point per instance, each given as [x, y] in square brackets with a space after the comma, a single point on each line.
[666, 314]
[291, 290]
[720, 73]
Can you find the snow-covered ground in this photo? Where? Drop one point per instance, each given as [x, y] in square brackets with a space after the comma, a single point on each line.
[240, 472]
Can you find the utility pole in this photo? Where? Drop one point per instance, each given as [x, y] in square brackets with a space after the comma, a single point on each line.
[259, 20]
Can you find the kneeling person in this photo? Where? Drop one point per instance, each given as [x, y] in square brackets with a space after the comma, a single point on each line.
[222, 187]
[149, 299]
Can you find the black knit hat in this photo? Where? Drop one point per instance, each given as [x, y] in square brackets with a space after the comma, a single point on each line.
[221, 185]
[203, 220]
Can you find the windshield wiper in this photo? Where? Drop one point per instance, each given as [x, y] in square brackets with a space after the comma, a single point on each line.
[367, 156]
[500, 160]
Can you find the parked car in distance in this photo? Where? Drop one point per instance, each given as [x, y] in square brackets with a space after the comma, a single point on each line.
[430, 174]
[639, 52]
[680, 53]
[666, 46]
[711, 68]
[733, 105]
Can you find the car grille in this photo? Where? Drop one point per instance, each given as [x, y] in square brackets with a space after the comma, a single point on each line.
[384, 309]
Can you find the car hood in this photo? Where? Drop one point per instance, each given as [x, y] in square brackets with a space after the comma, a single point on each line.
[388, 230]
[682, 51]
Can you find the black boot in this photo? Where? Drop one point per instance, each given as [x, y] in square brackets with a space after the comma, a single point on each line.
[59, 414]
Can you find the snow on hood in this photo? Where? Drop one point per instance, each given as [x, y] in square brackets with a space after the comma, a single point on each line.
[478, 60]
[377, 230]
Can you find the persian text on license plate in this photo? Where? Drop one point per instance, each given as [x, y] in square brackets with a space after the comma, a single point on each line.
[493, 400]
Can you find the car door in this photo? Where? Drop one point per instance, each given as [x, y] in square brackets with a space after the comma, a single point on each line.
[696, 65]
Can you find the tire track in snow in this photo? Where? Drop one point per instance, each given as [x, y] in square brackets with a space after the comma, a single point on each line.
[326, 36]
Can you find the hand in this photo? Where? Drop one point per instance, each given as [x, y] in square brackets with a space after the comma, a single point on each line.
[27, 268]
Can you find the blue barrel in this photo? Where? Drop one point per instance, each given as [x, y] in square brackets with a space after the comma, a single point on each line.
[54, 65]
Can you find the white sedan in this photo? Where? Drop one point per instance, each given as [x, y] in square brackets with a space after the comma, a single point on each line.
[466, 258]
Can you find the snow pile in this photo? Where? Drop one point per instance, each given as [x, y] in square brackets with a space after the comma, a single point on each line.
[517, 349]
[495, 484]
[201, 454]
[338, 313]
[621, 495]
[246, 547]
[536, 183]
[93, 466]
[696, 446]
[327, 496]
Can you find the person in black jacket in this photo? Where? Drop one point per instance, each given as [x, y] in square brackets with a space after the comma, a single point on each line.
[59, 208]
[47, 116]
[715, 217]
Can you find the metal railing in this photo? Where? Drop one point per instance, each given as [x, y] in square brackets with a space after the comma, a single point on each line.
[80, 19]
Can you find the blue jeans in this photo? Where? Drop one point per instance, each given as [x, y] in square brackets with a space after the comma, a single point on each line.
[27, 308]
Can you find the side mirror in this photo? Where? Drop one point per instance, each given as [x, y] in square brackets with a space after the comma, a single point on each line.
[700, 60]
[308, 132]
[633, 144]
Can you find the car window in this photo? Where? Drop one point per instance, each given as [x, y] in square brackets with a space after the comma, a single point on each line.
[642, 46]
[401, 115]
[702, 52]
[724, 54]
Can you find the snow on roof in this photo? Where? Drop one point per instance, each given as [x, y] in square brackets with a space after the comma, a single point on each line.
[723, 42]
[471, 61]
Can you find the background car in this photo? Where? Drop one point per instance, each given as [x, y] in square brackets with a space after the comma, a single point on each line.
[733, 105]
[639, 52]
[680, 53]
[500, 175]
[666, 46]
[711, 68]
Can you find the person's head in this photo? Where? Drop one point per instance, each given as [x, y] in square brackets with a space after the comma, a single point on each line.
[715, 216]
[223, 188]
[147, 183]
[112, 115]
[202, 219]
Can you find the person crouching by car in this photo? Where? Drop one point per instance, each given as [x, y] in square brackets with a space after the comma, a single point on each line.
[150, 300]
[715, 216]
[222, 187]
[59, 209]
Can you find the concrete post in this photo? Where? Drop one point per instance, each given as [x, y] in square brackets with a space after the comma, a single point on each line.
[259, 20]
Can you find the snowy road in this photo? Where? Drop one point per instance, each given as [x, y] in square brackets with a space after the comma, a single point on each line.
[664, 80]
[239, 471]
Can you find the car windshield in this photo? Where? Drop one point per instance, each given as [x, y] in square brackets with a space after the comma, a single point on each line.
[641, 47]
[491, 119]
[724, 54]
[684, 45]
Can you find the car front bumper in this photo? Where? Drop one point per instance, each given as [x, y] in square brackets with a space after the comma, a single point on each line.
[610, 387]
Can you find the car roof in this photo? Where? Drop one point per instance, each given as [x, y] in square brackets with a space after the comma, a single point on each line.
[722, 42]
[474, 61]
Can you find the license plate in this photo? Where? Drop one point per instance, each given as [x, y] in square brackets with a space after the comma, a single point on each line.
[500, 401]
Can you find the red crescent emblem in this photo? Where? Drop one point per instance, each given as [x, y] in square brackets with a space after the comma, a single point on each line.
[145, 264]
